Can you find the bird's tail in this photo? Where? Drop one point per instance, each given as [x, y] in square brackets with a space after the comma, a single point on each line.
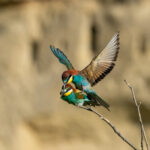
[97, 100]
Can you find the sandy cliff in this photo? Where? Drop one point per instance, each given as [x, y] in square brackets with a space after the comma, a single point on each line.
[32, 116]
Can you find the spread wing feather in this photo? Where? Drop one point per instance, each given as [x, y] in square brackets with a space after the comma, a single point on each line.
[61, 57]
[103, 63]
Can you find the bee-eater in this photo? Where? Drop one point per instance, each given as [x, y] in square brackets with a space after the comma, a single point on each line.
[76, 97]
[98, 68]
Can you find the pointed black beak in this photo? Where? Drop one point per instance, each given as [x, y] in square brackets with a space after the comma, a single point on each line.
[62, 90]
[61, 93]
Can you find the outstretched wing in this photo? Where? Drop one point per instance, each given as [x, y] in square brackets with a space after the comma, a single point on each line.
[103, 63]
[62, 57]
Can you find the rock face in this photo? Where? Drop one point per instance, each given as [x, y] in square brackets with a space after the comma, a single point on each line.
[31, 111]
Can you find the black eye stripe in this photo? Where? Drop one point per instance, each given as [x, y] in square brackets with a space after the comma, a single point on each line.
[69, 77]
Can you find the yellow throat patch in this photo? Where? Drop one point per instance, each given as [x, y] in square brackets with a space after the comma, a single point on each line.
[68, 93]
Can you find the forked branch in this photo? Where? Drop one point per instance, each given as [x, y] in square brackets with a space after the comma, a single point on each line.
[143, 134]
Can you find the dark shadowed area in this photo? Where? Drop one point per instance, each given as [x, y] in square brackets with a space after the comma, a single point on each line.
[32, 115]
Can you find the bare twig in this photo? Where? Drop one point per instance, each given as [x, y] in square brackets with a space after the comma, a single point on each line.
[142, 148]
[111, 125]
[139, 115]
[142, 140]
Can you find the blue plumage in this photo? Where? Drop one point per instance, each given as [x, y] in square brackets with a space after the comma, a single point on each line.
[61, 56]
[95, 71]
[83, 84]
[80, 81]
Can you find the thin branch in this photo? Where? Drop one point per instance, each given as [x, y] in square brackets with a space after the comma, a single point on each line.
[142, 148]
[142, 140]
[139, 115]
[111, 125]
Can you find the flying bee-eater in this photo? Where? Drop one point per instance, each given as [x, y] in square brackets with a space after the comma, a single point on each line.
[97, 69]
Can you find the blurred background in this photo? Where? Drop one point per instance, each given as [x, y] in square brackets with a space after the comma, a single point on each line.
[32, 115]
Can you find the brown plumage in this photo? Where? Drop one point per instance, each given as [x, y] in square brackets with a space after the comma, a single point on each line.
[98, 68]
[103, 63]
[67, 73]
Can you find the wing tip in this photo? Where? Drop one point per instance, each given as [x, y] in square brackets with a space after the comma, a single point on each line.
[117, 35]
[51, 46]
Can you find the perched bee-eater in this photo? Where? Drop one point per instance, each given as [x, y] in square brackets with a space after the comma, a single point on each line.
[76, 97]
[98, 68]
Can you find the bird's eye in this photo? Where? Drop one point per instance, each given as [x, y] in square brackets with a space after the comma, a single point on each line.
[69, 76]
